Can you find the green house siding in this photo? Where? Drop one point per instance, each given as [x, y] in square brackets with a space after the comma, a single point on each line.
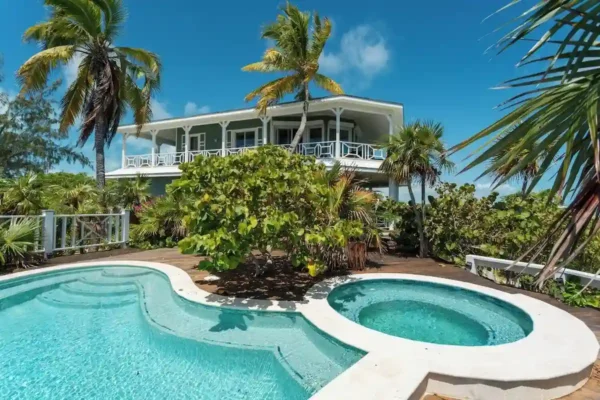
[158, 185]
[213, 132]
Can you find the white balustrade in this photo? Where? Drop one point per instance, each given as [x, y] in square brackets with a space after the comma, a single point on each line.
[363, 151]
[204, 153]
[62, 232]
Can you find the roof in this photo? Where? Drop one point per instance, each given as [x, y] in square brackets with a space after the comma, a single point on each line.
[163, 123]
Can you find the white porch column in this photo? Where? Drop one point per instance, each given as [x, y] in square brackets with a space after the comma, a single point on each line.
[124, 151]
[338, 113]
[265, 120]
[223, 137]
[186, 142]
[154, 132]
[393, 191]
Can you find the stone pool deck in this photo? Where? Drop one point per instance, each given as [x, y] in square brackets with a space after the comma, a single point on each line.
[293, 284]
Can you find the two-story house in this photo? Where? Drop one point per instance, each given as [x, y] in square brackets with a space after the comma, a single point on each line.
[341, 128]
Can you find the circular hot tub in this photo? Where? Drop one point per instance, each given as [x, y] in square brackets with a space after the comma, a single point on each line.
[431, 312]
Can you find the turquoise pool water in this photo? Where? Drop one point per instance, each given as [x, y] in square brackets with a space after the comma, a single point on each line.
[122, 333]
[430, 312]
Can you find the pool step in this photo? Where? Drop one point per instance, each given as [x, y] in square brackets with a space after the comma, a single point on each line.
[100, 280]
[60, 298]
[85, 289]
[116, 272]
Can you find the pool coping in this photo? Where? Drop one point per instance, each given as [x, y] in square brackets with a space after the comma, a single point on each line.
[553, 360]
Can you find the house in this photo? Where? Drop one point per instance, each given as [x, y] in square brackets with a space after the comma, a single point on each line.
[341, 128]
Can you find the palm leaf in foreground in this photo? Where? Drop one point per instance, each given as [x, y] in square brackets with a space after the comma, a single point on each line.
[554, 122]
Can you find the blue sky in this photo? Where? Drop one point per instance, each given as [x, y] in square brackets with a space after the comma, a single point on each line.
[428, 55]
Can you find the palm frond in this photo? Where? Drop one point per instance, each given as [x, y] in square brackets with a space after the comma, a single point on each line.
[33, 74]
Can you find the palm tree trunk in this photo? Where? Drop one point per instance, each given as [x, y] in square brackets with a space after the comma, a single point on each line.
[524, 187]
[99, 135]
[417, 218]
[423, 239]
[302, 126]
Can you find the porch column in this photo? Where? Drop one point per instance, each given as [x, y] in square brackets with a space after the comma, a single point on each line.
[223, 137]
[154, 132]
[265, 120]
[124, 151]
[393, 191]
[338, 113]
[186, 142]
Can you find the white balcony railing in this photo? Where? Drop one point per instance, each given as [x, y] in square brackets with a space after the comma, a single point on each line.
[362, 151]
[352, 150]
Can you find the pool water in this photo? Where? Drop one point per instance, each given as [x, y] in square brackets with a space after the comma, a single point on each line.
[121, 332]
[431, 312]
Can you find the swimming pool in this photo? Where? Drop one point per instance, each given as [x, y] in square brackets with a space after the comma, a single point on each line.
[122, 332]
[431, 312]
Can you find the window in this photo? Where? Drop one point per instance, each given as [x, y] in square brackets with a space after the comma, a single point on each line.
[197, 141]
[245, 139]
[315, 135]
[344, 135]
[284, 135]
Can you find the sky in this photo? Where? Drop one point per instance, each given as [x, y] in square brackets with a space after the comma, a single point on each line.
[431, 56]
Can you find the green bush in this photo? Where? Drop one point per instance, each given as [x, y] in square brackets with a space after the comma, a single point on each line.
[160, 224]
[16, 243]
[262, 200]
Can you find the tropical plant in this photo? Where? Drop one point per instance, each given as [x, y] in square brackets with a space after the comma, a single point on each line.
[72, 198]
[16, 242]
[299, 41]
[132, 193]
[556, 119]
[347, 199]
[160, 224]
[29, 138]
[261, 200]
[107, 78]
[417, 153]
[22, 195]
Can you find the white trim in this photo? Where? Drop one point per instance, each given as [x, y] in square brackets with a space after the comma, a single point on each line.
[234, 132]
[554, 360]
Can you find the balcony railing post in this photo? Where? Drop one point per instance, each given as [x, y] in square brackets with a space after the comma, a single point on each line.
[224, 137]
[338, 114]
[124, 228]
[48, 232]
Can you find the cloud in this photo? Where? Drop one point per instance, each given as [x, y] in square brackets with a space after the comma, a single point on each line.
[485, 188]
[363, 52]
[71, 69]
[192, 108]
[159, 110]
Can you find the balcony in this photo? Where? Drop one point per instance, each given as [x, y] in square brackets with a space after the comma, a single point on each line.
[319, 150]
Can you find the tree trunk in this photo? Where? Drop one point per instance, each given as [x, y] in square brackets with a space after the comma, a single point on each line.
[99, 135]
[302, 126]
[423, 239]
[418, 219]
[524, 187]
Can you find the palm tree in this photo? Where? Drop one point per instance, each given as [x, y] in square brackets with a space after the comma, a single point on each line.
[417, 153]
[107, 78]
[298, 46]
[555, 119]
[527, 171]
[134, 192]
[73, 197]
[22, 195]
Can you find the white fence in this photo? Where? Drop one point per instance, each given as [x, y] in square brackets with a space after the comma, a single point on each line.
[62, 232]
[477, 263]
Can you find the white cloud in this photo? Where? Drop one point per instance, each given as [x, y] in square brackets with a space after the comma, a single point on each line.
[192, 108]
[363, 51]
[485, 188]
[159, 110]
[70, 70]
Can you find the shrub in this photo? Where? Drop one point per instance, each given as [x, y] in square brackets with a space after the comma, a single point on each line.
[160, 224]
[263, 199]
[16, 242]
